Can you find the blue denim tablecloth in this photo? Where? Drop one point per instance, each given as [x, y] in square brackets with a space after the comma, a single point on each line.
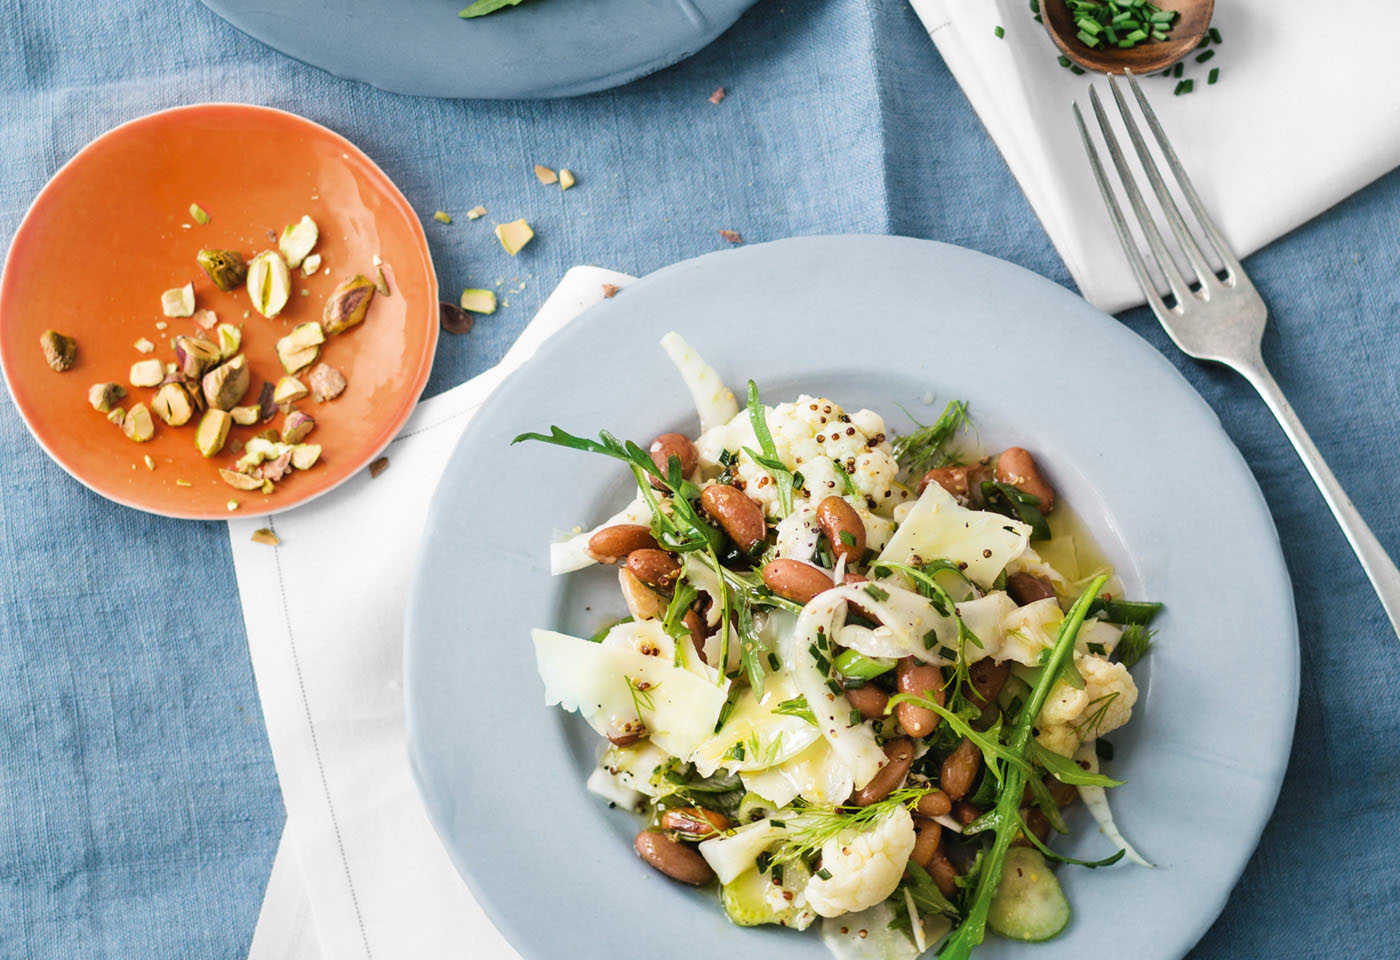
[139, 810]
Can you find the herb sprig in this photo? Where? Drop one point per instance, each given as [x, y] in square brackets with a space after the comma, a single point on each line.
[769, 459]
[918, 451]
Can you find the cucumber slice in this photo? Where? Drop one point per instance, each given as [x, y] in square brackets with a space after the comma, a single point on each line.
[754, 808]
[752, 898]
[1029, 904]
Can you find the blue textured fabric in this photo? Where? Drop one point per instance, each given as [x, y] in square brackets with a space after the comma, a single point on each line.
[139, 808]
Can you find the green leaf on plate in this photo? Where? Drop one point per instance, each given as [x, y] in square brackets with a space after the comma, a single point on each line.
[482, 7]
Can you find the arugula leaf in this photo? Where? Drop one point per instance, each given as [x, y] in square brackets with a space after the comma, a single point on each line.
[924, 448]
[927, 897]
[1066, 770]
[1125, 611]
[674, 620]
[482, 7]
[769, 459]
[1059, 857]
[1006, 821]
[1134, 644]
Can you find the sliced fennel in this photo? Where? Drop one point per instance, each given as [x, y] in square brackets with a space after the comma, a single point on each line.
[571, 553]
[1096, 800]
[713, 400]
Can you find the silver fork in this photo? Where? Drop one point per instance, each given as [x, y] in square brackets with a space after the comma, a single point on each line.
[1217, 319]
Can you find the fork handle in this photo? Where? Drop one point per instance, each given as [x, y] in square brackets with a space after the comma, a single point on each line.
[1378, 566]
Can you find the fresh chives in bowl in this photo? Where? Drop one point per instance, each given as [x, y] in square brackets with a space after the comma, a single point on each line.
[1119, 23]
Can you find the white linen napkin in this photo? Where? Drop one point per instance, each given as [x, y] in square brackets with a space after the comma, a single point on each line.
[1305, 112]
[324, 615]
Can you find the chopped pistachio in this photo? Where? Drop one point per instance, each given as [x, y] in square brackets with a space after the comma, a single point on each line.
[230, 339]
[183, 483]
[566, 179]
[476, 213]
[289, 390]
[297, 427]
[206, 318]
[161, 324]
[326, 382]
[105, 396]
[241, 481]
[244, 416]
[146, 373]
[442, 216]
[232, 505]
[266, 408]
[348, 303]
[478, 301]
[514, 235]
[144, 346]
[381, 284]
[178, 301]
[311, 264]
[717, 96]
[171, 368]
[173, 404]
[60, 352]
[378, 466]
[150, 464]
[212, 433]
[545, 174]
[610, 290]
[197, 214]
[137, 425]
[266, 536]
[225, 385]
[305, 455]
[267, 486]
[116, 415]
[269, 283]
[732, 236]
[297, 240]
[195, 355]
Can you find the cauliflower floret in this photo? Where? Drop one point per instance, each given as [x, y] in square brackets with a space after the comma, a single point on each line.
[812, 435]
[798, 534]
[864, 866]
[1105, 704]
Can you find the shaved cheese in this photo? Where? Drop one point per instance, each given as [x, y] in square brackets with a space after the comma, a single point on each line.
[607, 686]
[938, 528]
[735, 852]
[854, 745]
[817, 775]
[868, 935]
[1096, 800]
[570, 554]
[766, 738]
[611, 788]
[713, 400]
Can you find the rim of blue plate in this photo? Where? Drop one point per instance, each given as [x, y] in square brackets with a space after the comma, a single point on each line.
[1163, 491]
[540, 49]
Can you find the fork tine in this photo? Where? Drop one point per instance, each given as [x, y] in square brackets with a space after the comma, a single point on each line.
[1204, 273]
[1165, 263]
[1115, 213]
[1193, 200]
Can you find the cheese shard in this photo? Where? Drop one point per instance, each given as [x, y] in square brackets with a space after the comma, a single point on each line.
[938, 528]
[612, 687]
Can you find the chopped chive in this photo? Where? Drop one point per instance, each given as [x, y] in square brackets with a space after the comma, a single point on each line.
[1064, 61]
[1214, 35]
[1178, 70]
[1203, 57]
[1077, 70]
[1183, 87]
[999, 32]
[1084, 23]
[1088, 39]
[1136, 36]
[1214, 75]
[1035, 6]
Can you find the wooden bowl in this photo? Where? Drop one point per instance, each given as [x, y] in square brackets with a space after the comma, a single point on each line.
[1188, 29]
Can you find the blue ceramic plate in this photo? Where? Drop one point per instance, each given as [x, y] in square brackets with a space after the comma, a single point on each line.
[869, 321]
[542, 48]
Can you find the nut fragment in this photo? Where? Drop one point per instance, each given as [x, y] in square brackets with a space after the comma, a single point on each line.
[267, 408]
[225, 385]
[732, 236]
[478, 301]
[288, 390]
[717, 96]
[146, 373]
[299, 349]
[297, 426]
[610, 290]
[144, 346]
[347, 304]
[117, 415]
[381, 283]
[514, 235]
[137, 425]
[241, 481]
[269, 283]
[378, 466]
[442, 216]
[545, 175]
[195, 355]
[206, 319]
[60, 352]
[244, 416]
[225, 267]
[566, 179]
[230, 339]
[311, 264]
[198, 214]
[212, 432]
[476, 213]
[326, 382]
[105, 396]
[305, 455]
[297, 240]
[178, 301]
[173, 403]
[264, 535]
[454, 319]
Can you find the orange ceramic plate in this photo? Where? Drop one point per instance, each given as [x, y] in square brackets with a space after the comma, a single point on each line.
[113, 230]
